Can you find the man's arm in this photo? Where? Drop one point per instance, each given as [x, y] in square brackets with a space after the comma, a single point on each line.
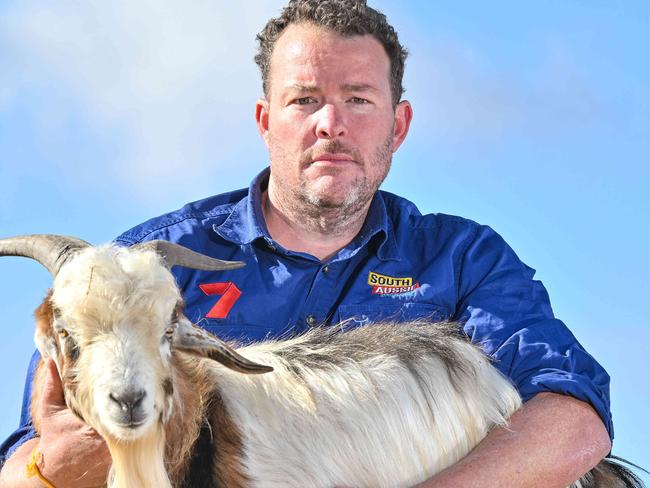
[508, 313]
[564, 428]
[550, 442]
[73, 454]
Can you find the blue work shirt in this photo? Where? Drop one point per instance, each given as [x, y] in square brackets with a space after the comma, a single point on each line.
[402, 265]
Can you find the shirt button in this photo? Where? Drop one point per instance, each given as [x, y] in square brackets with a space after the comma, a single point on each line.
[311, 320]
[326, 269]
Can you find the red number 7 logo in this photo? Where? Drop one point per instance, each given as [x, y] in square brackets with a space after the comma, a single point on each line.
[229, 295]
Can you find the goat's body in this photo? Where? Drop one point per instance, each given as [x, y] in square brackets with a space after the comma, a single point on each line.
[389, 405]
[386, 405]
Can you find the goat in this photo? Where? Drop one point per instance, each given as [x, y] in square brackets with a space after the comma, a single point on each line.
[376, 406]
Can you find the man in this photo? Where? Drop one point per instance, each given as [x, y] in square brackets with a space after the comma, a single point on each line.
[322, 244]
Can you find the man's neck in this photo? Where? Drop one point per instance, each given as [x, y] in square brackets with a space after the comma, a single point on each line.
[321, 234]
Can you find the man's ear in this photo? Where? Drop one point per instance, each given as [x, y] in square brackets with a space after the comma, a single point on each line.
[403, 117]
[262, 118]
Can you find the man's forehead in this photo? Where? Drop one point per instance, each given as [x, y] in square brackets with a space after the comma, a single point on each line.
[309, 40]
[305, 51]
[309, 87]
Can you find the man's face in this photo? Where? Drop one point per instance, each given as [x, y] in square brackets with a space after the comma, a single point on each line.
[329, 122]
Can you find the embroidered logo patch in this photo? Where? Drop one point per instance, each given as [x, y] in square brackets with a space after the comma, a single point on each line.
[390, 285]
[229, 295]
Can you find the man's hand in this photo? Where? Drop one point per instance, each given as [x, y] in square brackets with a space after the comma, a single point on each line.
[73, 454]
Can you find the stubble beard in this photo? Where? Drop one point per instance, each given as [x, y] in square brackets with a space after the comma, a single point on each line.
[326, 214]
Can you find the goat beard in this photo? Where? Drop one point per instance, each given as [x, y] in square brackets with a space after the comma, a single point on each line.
[140, 462]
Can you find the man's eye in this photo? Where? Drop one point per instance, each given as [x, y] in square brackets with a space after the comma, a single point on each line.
[359, 100]
[303, 100]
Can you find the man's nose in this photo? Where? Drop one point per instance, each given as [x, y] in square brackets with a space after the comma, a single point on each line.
[330, 123]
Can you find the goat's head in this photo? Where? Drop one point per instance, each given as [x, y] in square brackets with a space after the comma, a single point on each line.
[110, 323]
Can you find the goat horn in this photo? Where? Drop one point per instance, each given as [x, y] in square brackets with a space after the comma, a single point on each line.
[50, 250]
[177, 255]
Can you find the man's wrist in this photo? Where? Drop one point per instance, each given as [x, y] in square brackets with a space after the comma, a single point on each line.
[13, 474]
[33, 468]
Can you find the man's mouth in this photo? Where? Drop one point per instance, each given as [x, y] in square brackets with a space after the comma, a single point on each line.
[333, 159]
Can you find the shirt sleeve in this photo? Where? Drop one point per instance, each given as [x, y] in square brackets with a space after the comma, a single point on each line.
[25, 429]
[509, 314]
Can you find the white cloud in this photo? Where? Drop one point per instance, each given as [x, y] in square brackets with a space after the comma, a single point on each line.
[170, 80]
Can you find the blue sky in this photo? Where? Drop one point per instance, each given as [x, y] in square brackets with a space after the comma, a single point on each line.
[531, 118]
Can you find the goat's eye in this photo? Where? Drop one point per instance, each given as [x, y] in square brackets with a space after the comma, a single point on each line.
[169, 331]
[63, 333]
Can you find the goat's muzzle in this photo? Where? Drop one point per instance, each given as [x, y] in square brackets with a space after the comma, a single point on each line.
[125, 407]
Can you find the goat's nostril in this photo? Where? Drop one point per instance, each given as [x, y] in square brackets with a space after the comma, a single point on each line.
[128, 400]
[138, 400]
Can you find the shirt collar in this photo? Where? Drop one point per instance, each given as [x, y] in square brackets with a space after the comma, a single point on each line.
[246, 224]
[377, 226]
[246, 221]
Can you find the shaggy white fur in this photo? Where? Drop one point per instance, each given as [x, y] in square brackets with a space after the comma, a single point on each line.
[368, 423]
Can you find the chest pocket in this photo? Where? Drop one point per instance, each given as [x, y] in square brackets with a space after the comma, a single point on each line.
[356, 315]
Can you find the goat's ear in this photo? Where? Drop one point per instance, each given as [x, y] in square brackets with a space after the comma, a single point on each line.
[48, 348]
[44, 338]
[194, 340]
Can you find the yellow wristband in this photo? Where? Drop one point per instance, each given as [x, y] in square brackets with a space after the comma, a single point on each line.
[32, 468]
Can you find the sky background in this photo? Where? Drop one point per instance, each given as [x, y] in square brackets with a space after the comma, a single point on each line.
[531, 117]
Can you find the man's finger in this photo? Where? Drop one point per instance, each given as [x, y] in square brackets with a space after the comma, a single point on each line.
[52, 399]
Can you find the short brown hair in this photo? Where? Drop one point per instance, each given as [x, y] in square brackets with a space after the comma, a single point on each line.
[345, 17]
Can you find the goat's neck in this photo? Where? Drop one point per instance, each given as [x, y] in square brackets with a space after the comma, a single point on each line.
[200, 411]
[192, 394]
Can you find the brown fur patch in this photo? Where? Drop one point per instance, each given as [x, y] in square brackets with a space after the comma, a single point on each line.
[201, 404]
[182, 429]
[229, 446]
[44, 316]
[168, 386]
[178, 310]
